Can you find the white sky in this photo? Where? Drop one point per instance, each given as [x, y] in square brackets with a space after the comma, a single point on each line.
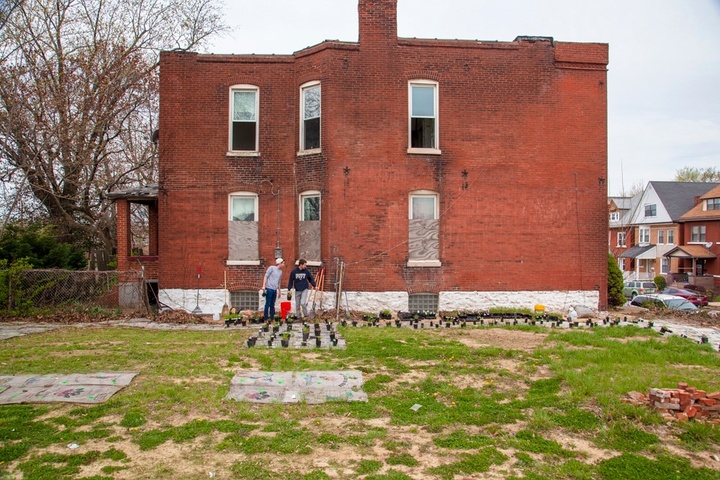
[663, 75]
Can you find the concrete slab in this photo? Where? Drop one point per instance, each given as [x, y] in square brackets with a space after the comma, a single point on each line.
[74, 388]
[293, 387]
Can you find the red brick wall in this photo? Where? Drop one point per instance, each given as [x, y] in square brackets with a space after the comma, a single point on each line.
[521, 176]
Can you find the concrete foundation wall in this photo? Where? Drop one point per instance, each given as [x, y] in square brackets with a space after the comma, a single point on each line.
[211, 301]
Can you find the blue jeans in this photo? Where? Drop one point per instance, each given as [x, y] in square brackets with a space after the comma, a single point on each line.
[270, 304]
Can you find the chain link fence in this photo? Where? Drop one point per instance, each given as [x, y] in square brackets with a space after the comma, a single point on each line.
[26, 290]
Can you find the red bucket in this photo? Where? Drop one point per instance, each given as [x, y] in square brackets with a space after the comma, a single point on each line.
[285, 307]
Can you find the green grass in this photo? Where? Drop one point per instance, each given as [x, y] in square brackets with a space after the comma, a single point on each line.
[476, 403]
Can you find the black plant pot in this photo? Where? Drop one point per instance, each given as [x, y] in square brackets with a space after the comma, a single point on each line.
[317, 342]
[285, 343]
[305, 336]
[334, 342]
[251, 341]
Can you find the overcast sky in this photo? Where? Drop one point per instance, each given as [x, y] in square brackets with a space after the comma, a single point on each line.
[663, 75]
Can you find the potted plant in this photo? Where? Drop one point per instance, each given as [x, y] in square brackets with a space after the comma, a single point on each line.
[317, 342]
[305, 332]
[251, 341]
[285, 339]
[385, 314]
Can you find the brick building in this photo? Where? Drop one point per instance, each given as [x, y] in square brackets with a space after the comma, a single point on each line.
[446, 174]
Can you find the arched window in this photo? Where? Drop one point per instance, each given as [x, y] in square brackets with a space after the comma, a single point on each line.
[310, 110]
[243, 245]
[423, 229]
[423, 131]
[309, 227]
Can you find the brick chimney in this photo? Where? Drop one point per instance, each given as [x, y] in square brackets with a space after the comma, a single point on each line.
[377, 22]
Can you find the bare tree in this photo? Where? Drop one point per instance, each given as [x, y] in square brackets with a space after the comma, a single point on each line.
[6, 9]
[79, 100]
[694, 174]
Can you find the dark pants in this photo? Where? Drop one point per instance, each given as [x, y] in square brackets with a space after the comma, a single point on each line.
[269, 311]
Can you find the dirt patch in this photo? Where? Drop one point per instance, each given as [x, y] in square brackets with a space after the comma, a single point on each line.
[496, 337]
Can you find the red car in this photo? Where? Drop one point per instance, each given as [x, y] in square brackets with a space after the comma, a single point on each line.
[696, 298]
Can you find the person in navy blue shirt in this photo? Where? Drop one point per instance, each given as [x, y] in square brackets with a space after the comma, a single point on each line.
[302, 281]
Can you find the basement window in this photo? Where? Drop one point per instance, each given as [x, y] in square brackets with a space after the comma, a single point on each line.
[245, 300]
[420, 302]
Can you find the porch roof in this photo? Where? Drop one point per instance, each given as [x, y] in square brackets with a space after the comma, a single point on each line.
[690, 251]
[640, 252]
[143, 192]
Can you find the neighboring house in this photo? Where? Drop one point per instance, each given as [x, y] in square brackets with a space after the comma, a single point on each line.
[428, 171]
[657, 228]
[621, 232]
[698, 253]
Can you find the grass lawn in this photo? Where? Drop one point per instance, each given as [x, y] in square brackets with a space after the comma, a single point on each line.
[512, 402]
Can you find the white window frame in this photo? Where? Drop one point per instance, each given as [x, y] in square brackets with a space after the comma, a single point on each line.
[424, 194]
[250, 195]
[712, 204]
[614, 216]
[644, 235]
[651, 208]
[435, 149]
[303, 88]
[664, 265]
[670, 236]
[621, 239]
[661, 237]
[243, 153]
[698, 234]
[256, 212]
[435, 216]
[309, 194]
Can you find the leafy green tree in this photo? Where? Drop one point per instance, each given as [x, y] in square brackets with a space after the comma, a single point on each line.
[660, 282]
[38, 246]
[615, 283]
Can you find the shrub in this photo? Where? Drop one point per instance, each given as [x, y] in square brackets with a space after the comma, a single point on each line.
[660, 282]
[39, 246]
[615, 283]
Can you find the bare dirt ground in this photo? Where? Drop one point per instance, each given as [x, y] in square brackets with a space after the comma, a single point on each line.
[198, 459]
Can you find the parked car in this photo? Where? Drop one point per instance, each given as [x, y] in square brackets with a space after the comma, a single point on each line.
[638, 287]
[664, 301]
[696, 298]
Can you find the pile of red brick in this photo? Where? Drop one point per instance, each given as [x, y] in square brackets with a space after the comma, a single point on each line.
[681, 403]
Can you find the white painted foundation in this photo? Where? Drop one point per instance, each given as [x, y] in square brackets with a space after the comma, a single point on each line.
[211, 301]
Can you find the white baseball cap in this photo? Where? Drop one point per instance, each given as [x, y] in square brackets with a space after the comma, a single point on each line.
[278, 261]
